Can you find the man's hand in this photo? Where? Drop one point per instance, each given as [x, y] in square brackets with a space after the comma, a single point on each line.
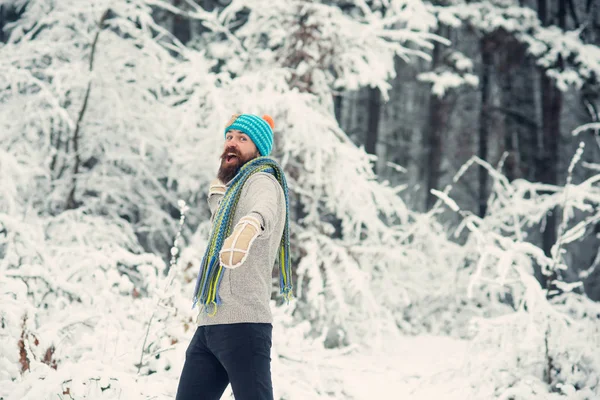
[216, 187]
[236, 247]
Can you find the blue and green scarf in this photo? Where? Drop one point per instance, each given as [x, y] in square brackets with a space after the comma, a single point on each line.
[211, 271]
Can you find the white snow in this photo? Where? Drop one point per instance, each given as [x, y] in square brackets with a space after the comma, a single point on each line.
[390, 304]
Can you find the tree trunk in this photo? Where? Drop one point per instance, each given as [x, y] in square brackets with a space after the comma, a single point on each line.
[71, 202]
[548, 156]
[7, 14]
[484, 118]
[374, 112]
[438, 118]
[518, 89]
[2, 23]
[439, 110]
[543, 12]
[180, 27]
[337, 108]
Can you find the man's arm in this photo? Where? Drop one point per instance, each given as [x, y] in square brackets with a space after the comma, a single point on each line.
[216, 191]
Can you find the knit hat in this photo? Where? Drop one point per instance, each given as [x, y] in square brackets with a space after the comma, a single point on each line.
[260, 130]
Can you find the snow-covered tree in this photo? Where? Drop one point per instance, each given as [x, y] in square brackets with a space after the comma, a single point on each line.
[107, 121]
[89, 188]
[557, 326]
[117, 120]
[285, 59]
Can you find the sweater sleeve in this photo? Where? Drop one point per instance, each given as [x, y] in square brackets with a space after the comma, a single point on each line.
[266, 199]
[216, 192]
[213, 203]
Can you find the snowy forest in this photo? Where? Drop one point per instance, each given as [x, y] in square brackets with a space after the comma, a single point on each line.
[443, 163]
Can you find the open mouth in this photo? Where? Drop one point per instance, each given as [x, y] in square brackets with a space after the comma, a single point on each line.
[231, 157]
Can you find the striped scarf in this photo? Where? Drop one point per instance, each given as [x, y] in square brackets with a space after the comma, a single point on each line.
[211, 271]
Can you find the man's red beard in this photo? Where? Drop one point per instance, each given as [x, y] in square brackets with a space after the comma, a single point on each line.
[230, 165]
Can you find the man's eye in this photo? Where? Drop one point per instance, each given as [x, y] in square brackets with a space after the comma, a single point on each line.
[243, 138]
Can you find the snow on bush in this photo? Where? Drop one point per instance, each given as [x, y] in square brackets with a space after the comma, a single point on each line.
[107, 121]
[545, 347]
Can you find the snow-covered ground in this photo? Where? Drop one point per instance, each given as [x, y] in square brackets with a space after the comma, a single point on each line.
[419, 368]
[89, 191]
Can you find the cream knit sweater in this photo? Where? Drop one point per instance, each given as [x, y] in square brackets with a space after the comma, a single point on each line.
[246, 291]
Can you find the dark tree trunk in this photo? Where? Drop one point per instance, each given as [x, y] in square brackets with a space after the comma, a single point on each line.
[547, 171]
[7, 14]
[516, 78]
[542, 11]
[527, 133]
[374, 113]
[484, 118]
[2, 23]
[438, 118]
[439, 111]
[548, 156]
[181, 25]
[562, 14]
[337, 108]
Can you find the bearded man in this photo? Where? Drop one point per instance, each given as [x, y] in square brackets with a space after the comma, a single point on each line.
[250, 231]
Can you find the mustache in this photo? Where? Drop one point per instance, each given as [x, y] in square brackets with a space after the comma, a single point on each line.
[230, 150]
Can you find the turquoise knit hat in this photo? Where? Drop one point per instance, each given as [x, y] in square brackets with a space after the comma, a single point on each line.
[260, 130]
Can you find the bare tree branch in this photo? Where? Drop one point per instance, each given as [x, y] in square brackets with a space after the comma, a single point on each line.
[71, 203]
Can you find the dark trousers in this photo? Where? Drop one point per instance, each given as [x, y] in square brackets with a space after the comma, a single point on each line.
[239, 354]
